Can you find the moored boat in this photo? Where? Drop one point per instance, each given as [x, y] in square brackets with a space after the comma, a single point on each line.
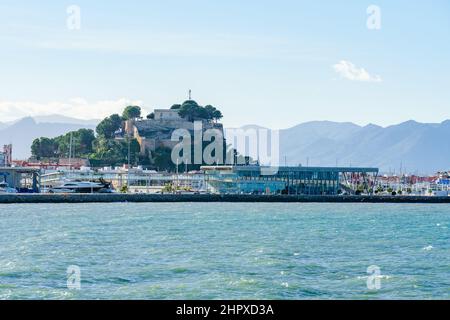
[82, 187]
[4, 188]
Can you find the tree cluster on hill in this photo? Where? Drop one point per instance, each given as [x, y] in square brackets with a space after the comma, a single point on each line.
[115, 152]
[131, 112]
[192, 111]
[102, 149]
[59, 147]
[108, 127]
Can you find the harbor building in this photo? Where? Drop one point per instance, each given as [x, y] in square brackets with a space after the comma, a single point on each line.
[246, 179]
[21, 179]
[289, 180]
[136, 180]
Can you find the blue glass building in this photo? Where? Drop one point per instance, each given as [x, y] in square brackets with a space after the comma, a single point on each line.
[288, 180]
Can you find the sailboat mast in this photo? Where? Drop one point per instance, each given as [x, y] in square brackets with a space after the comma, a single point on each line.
[70, 151]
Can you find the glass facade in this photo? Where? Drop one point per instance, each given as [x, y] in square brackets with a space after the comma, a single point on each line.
[283, 180]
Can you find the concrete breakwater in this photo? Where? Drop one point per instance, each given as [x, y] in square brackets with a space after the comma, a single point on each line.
[111, 198]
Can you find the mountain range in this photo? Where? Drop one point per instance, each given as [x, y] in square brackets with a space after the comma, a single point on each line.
[410, 147]
[21, 133]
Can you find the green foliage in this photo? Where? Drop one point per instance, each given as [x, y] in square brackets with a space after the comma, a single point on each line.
[115, 152]
[379, 189]
[151, 116]
[124, 189]
[81, 146]
[176, 107]
[168, 188]
[162, 159]
[191, 111]
[59, 147]
[131, 112]
[44, 148]
[108, 126]
[213, 113]
[111, 150]
[85, 139]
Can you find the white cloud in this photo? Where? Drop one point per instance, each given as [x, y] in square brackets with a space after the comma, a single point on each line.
[349, 71]
[76, 108]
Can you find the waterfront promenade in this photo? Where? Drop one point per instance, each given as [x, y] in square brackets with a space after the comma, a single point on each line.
[117, 198]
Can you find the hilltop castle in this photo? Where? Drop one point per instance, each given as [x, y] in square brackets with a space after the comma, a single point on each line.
[156, 131]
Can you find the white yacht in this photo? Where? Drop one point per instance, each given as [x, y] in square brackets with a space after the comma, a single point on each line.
[81, 187]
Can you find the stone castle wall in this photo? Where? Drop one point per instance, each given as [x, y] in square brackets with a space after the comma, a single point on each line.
[152, 134]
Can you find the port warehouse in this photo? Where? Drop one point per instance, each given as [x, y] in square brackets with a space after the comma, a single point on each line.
[212, 179]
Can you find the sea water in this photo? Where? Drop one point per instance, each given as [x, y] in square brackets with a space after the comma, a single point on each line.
[224, 251]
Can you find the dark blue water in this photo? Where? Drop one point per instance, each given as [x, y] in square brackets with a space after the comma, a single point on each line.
[225, 251]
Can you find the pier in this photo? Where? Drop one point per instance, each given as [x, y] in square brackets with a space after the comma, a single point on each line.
[148, 198]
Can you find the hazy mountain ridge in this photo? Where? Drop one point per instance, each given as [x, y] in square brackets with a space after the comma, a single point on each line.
[21, 133]
[412, 146]
[55, 118]
[416, 147]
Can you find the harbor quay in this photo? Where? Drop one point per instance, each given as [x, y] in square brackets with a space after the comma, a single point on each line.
[233, 179]
[240, 180]
[199, 198]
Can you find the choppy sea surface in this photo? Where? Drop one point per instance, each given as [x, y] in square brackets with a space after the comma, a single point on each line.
[225, 251]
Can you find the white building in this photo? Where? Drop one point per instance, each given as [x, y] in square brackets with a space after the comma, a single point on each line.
[137, 179]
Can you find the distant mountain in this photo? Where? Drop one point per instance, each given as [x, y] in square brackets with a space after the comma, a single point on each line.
[55, 118]
[414, 147]
[21, 133]
[4, 125]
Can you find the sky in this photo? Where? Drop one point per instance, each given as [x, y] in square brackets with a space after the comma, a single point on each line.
[271, 63]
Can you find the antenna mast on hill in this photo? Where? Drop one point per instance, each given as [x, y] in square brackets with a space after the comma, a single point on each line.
[190, 94]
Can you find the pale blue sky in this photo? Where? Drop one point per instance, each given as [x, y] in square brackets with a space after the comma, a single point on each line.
[261, 62]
